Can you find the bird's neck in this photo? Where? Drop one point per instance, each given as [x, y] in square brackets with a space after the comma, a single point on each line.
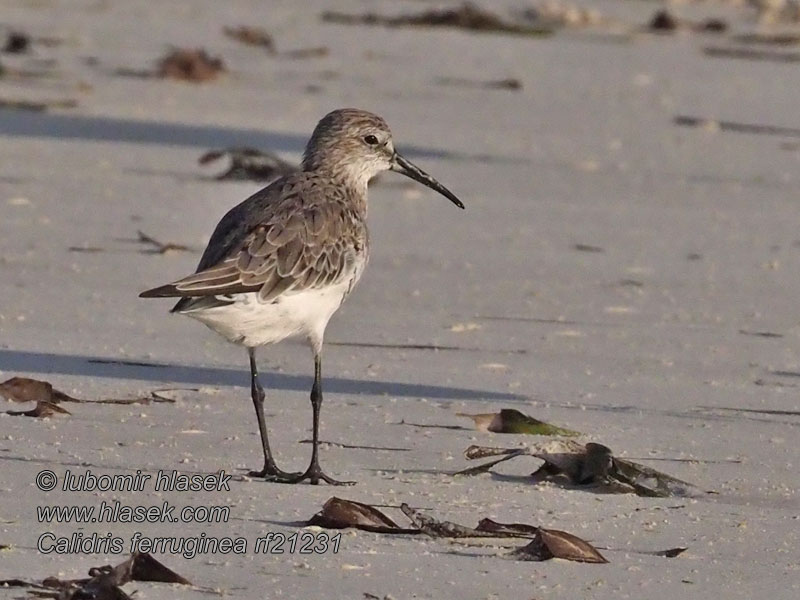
[354, 181]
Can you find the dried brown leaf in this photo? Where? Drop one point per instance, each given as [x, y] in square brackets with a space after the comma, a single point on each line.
[252, 36]
[338, 513]
[507, 529]
[194, 65]
[509, 420]
[43, 409]
[552, 543]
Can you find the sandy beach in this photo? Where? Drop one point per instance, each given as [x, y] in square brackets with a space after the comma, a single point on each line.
[626, 267]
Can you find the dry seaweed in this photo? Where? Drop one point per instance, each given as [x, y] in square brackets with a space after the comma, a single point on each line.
[467, 16]
[103, 583]
[592, 464]
[751, 54]
[17, 42]
[42, 410]
[546, 543]
[252, 36]
[338, 513]
[688, 121]
[194, 65]
[159, 247]
[510, 83]
[552, 543]
[509, 420]
[24, 389]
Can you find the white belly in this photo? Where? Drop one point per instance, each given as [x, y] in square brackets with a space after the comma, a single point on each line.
[251, 323]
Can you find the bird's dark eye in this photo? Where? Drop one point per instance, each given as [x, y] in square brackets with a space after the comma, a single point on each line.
[371, 139]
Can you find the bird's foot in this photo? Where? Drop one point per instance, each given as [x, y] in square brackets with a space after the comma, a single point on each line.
[271, 472]
[314, 475]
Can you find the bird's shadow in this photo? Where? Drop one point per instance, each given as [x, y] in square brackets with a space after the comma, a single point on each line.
[13, 361]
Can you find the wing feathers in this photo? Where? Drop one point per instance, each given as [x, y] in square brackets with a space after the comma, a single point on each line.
[294, 250]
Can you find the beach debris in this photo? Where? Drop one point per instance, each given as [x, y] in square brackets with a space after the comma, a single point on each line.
[24, 389]
[467, 16]
[17, 42]
[664, 21]
[545, 543]
[764, 334]
[159, 247]
[252, 36]
[338, 513]
[42, 410]
[303, 53]
[670, 552]
[509, 420]
[250, 164]
[510, 83]
[592, 464]
[587, 248]
[103, 583]
[768, 39]
[256, 36]
[553, 543]
[735, 126]
[194, 65]
[752, 54]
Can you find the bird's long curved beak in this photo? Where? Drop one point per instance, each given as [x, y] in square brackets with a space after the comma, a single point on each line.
[409, 169]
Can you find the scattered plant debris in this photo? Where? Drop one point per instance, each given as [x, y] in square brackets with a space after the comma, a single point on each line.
[592, 464]
[706, 123]
[467, 16]
[337, 513]
[303, 53]
[552, 543]
[770, 39]
[250, 164]
[587, 248]
[42, 410]
[445, 529]
[497, 84]
[103, 583]
[160, 247]
[764, 334]
[665, 22]
[23, 389]
[546, 543]
[17, 42]
[670, 553]
[194, 65]
[509, 420]
[252, 36]
[751, 54]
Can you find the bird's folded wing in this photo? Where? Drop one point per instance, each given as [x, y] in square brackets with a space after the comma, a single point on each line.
[305, 250]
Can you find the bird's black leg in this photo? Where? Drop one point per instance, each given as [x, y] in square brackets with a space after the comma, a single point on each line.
[314, 473]
[270, 469]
